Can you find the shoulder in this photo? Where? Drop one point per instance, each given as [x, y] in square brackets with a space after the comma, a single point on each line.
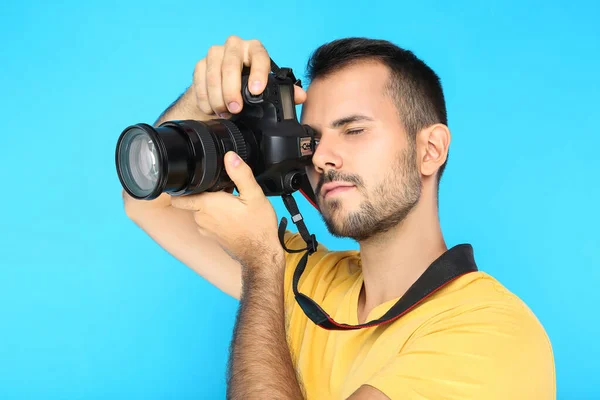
[479, 300]
[479, 322]
[472, 339]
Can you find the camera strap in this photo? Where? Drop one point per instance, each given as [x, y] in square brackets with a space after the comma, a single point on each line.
[284, 73]
[454, 263]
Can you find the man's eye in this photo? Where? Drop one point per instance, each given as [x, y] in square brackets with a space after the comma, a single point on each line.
[354, 131]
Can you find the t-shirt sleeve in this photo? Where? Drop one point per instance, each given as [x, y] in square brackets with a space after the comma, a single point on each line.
[488, 353]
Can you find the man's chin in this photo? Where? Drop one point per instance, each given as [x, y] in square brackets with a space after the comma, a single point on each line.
[335, 221]
[334, 210]
[340, 206]
[334, 229]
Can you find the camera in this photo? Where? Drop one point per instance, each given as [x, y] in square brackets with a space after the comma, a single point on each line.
[187, 157]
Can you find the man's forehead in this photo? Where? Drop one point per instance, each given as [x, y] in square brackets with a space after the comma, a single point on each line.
[341, 95]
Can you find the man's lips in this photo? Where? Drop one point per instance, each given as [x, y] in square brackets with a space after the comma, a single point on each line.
[335, 187]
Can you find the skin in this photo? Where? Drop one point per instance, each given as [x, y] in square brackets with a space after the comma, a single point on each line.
[392, 211]
[395, 181]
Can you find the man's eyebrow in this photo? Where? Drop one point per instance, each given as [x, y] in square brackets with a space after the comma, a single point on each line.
[349, 119]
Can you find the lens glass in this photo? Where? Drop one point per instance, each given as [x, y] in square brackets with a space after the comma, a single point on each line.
[139, 162]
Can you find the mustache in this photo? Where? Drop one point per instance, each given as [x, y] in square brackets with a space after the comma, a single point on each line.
[336, 176]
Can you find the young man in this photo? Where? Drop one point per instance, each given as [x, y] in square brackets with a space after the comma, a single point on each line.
[380, 117]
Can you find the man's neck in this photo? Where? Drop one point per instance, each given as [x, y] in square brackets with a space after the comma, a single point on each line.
[391, 263]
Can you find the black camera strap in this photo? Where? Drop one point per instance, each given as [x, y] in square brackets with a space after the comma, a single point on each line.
[284, 73]
[454, 263]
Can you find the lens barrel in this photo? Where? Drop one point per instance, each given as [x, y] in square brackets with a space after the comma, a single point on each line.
[178, 157]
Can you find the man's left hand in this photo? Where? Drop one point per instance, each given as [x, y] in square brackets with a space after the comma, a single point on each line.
[245, 226]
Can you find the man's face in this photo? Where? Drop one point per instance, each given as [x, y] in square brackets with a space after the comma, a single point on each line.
[362, 144]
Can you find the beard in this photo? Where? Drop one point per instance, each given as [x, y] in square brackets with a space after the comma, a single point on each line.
[384, 207]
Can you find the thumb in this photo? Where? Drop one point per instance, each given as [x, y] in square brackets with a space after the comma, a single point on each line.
[242, 176]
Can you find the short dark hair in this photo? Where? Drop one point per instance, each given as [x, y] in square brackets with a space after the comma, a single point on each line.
[414, 86]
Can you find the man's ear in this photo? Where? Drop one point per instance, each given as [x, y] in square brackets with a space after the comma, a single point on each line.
[433, 143]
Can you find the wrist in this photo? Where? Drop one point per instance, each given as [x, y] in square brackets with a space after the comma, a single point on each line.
[265, 268]
[184, 108]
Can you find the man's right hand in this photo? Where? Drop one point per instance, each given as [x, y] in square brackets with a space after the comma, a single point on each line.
[218, 77]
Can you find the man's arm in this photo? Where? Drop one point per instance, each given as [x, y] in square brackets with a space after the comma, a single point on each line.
[176, 230]
[260, 365]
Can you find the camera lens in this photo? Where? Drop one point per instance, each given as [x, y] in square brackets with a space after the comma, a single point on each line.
[179, 157]
[138, 158]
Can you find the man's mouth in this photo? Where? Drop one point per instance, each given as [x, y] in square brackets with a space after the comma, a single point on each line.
[335, 188]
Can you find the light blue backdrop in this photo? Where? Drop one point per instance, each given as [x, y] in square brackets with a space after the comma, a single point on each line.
[92, 308]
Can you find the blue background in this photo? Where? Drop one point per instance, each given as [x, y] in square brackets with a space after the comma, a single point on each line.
[92, 308]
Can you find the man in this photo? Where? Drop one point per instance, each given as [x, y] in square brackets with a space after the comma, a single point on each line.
[380, 117]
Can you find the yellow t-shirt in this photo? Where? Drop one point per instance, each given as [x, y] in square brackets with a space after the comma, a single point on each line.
[472, 339]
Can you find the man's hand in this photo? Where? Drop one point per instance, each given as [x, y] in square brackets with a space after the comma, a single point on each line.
[217, 83]
[245, 226]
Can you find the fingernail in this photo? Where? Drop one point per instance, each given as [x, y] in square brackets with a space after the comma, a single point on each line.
[233, 106]
[225, 115]
[255, 86]
[235, 160]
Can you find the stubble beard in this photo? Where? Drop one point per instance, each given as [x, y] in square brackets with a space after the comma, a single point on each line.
[383, 208]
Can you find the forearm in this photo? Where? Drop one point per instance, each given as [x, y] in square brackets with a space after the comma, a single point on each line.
[260, 364]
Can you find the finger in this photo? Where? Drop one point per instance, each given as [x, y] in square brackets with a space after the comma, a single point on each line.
[214, 60]
[231, 71]
[190, 202]
[200, 88]
[242, 176]
[198, 202]
[258, 59]
[299, 95]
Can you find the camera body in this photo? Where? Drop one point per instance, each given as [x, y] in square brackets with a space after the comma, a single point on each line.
[187, 156]
[283, 147]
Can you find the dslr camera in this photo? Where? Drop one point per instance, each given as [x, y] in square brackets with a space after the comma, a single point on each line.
[187, 157]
